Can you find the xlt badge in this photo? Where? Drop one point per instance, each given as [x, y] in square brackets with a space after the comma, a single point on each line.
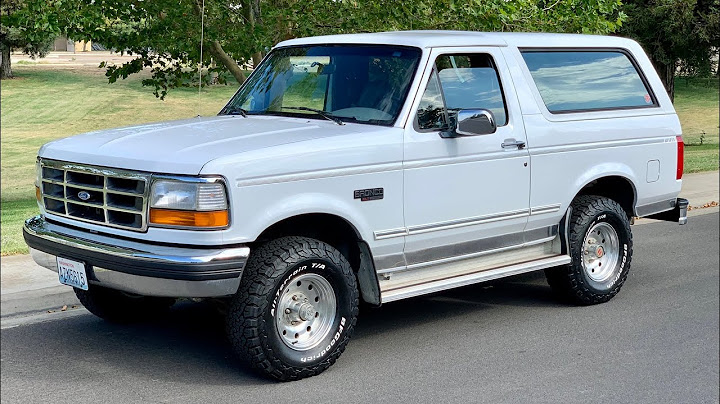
[369, 194]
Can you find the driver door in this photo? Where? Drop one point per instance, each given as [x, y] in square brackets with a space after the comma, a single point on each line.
[468, 195]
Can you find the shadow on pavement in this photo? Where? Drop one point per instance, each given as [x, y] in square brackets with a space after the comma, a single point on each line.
[190, 340]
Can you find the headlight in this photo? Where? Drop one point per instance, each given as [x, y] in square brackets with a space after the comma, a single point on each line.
[188, 204]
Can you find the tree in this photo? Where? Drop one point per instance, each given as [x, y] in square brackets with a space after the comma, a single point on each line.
[165, 34]
[678, 35]
[30, 25]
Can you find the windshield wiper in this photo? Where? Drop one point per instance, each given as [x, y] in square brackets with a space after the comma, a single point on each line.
[320, 112]
[237, 111]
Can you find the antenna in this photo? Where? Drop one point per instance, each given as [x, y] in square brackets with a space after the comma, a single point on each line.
[202, 39]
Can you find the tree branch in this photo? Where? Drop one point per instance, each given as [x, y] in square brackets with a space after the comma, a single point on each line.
[219, 53]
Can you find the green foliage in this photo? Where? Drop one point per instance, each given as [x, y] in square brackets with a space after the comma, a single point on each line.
[166, 33]
[166, 36]
[29, 25]
[579, 16]
[677, 35]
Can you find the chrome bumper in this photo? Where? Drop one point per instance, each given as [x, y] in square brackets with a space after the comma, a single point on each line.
[136, 267]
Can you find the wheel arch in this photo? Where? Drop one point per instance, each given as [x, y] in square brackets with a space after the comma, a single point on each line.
[339, 233]
[617, 187]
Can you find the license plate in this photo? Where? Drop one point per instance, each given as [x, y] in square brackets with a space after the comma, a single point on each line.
[72, 273]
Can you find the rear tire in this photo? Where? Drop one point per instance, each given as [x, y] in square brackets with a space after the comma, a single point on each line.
[295, 309]
[600, 245]
[120, 307]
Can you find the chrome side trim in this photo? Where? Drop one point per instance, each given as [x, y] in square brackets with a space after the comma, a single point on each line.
[385, 262]
[440, 253]
[471, 249]
[540, 233]
[539, 210]
[655, 207]
[469, 279]
[148, 286]
[383, 234]
[450, 224]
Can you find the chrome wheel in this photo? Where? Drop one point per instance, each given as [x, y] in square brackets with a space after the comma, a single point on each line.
[306, 312]
[601, 250]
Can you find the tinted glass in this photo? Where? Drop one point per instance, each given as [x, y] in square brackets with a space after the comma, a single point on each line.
[577, 81]
[468, 82]
[365, 84]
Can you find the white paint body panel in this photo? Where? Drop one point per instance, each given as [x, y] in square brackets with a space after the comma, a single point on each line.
[279, 167]
[450, 179]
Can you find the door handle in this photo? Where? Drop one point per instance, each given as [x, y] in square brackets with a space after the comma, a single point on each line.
[508, 143]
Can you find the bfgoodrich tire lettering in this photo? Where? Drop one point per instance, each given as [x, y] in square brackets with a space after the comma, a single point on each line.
[295, 309]
[600, 245]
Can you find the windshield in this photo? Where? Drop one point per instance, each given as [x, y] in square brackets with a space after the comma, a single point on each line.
[351, 83]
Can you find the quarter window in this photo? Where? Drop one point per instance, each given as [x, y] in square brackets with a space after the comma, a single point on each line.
[576, 81]
[461, 82]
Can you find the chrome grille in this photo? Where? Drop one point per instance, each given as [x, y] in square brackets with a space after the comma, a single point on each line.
[98, 195]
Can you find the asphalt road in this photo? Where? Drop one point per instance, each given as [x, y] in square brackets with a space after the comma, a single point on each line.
[508, 341]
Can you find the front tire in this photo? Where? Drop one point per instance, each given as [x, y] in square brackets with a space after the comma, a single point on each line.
[600, 245]
[295, 309]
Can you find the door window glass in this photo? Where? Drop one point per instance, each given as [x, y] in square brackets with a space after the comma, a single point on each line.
[467, 81]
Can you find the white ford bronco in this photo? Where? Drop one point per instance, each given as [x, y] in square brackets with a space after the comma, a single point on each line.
[368, 167]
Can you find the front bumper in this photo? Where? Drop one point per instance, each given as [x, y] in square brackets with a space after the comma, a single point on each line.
[137, 267]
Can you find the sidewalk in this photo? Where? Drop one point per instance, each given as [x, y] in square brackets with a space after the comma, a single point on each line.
[28, 288]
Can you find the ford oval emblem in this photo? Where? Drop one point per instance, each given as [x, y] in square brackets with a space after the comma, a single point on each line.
[83, 195]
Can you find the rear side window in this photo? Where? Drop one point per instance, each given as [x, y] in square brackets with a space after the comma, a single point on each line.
[576, 81]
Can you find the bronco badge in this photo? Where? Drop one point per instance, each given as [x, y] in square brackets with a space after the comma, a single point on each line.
[369, 194]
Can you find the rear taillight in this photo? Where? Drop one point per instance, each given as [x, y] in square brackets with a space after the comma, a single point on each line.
[680, 157]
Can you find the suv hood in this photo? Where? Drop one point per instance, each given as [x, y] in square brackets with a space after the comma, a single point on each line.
[184, 147]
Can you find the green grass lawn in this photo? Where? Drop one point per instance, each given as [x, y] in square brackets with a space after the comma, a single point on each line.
[45, 103]
[697, 105]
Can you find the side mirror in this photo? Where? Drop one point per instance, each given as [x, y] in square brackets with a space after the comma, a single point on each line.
[472, 122]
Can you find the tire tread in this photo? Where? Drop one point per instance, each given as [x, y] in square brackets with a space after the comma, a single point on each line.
[245, 320]
[564, 280]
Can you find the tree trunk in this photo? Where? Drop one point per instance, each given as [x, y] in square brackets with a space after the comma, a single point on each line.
[257, 58]
[227, 61]
[667, 76]
[5, 68]
[219, 53]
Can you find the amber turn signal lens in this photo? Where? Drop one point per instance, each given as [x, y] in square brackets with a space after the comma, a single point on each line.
[218, 218]
[38, 194]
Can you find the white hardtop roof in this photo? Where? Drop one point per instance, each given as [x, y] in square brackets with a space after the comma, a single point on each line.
[433, 39]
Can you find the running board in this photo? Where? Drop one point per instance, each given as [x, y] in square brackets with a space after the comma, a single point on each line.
[469, 279]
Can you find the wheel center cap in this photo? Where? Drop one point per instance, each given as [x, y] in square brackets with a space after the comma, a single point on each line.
[306, 312]
[599, 252]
